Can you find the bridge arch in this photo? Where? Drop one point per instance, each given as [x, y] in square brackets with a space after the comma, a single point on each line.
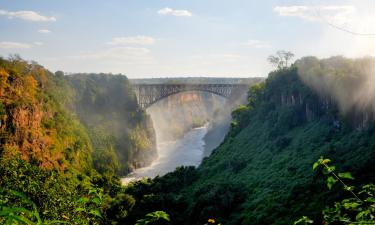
[148, 94]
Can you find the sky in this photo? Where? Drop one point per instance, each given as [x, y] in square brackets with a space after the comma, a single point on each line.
[184, 38]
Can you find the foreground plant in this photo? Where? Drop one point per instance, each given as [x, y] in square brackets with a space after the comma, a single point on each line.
[359, 209]
[19, 215]
[154, 217]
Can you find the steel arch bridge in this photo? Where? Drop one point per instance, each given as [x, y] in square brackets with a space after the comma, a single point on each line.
[148, 94]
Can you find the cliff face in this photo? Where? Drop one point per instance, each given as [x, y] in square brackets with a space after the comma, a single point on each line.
[122, 133]
[33, 125]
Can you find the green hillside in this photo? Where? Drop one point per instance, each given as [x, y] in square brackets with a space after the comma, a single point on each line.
[62, 139]
[56, 165]
[262, 172]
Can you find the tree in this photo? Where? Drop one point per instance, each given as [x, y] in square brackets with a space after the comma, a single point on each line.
[59, 73]
[281, 59]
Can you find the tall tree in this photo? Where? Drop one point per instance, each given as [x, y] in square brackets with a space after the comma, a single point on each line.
[281, 59]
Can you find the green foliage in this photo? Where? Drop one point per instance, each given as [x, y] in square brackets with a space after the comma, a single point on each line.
[332, 177]
[45, 152]
[304, 221]
[154, 218]
[359, 209]
[50, 196]
[353, 210]
[21, 215]
[89, 206]
[261, 173]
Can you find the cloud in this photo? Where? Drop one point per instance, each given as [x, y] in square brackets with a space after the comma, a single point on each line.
[336, 14]
[256, 44]
[14, 45]
[174, 12]
[44, 31]
[38, 43]
[27, 15]
[135, 40]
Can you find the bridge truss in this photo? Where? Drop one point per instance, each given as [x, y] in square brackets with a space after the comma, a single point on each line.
[148, 94]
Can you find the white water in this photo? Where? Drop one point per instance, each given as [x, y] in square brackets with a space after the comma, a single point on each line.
[187, 151]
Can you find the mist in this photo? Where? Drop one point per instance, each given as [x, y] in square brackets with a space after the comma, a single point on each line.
[349, 82]
[177, 114]
[220, 122]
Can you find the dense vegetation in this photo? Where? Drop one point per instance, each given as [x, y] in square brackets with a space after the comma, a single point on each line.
[34, 125]
[46, 155]
[261, 173]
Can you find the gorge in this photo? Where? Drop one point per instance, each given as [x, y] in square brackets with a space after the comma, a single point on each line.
[66, 140]
[184, 122]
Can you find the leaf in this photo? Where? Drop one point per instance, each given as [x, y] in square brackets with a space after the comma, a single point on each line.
[346, 175]
[20, 219]
[95, 213]
[159, 215]
[326, 161]
[79, 210]
[349, 188]
[153, 217]
[92, 191]
[83, 200]
[303, 220]
[362, 214]
[315, 165]
[8, 210]
[332, 168]
[351, 205]
[96, 200]
[330, 182]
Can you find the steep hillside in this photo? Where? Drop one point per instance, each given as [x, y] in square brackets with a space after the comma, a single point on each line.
[262, 172]
[55, 166]
[45, 153]
[33, 122]
[122, 135]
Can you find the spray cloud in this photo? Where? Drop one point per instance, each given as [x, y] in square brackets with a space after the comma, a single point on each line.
[350, 82]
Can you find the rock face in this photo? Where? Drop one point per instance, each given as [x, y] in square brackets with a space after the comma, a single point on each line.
[325, 105]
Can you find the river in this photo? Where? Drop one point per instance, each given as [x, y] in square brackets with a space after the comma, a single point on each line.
[187, 151]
